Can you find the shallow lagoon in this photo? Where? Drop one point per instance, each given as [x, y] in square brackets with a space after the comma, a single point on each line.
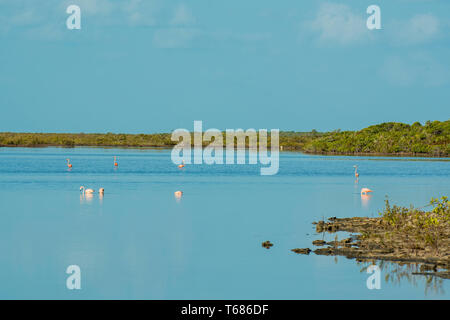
[139, 242]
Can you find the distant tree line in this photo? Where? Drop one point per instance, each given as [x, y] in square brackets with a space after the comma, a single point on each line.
[390, 138]
[432, 138]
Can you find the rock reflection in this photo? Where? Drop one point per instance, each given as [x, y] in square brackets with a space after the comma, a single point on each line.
[396, 273]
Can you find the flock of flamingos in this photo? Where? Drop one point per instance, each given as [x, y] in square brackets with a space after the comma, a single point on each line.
[101, 191]
[178, 194]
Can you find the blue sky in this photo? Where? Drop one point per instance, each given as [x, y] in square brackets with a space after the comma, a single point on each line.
[154, 65]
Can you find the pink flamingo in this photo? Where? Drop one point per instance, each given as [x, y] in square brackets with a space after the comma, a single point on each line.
[178, 194]
[87, 191]
[365, 191]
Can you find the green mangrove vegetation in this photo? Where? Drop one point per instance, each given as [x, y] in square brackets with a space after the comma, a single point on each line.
[425, 228]
[10, 139]
[390, 138]
[432, 138]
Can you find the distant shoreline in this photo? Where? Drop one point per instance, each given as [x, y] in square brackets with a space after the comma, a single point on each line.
[387, 139]
[360, 154]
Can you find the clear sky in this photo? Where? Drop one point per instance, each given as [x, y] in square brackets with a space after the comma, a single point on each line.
[157, 65]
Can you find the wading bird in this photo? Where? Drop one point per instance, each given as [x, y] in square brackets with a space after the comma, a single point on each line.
[87, 191]
[356, 171]
[365, 191]
[69, 165]
[178, 194]
[181, 165]
[115, 162]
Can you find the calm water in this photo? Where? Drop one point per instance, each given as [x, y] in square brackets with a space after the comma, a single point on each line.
[138, 242]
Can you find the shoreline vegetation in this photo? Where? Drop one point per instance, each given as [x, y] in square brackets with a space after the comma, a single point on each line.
[400, 235]
[431, 139]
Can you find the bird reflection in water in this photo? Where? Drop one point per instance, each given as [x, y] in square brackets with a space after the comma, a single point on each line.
[86, 198]
[365, 200]
[101, 193]
[87, 195]
[178, 195]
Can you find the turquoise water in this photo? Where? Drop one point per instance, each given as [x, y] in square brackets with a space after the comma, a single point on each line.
[139, 242]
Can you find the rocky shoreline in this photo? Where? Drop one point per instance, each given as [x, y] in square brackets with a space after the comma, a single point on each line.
[374, 239]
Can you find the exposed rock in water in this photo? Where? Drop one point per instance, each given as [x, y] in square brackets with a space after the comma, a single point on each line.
[302, 251]
[377, 239]
[319, 242]
[267, 244]
[428, 267]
